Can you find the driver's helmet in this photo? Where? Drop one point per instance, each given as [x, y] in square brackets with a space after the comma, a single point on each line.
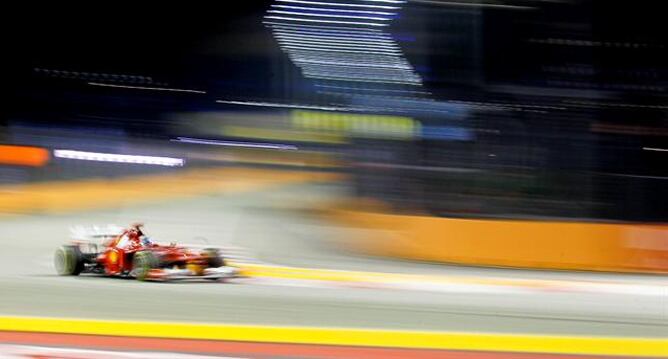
[145, 240]
[136, 227]
[135, 233]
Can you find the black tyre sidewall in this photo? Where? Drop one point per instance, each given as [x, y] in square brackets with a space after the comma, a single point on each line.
[146, 260]
[71, 260]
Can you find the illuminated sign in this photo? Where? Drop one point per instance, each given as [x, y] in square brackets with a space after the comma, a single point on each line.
[357, 125]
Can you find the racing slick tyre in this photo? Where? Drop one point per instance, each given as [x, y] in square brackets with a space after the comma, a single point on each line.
[142, 263]
[214, 259]
[69, 260]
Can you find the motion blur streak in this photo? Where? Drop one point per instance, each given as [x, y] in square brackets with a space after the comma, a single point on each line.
[145, 88]
[316, 28]
[474, 178]
[112, 157]
[339, 4]
[623, 346]
[338, 39]
[334, 10]
[267, 104]
[473, 4]
[85, 194]
[241, 349]
[655, 149]
[271, 146]
[328, 15]
[387, 1]
[325, 21]
[23, 156]
[284, 135]
[342, 44]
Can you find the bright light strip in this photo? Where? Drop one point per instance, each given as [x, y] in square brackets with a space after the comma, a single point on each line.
[333, 53]
[361, 58]
[370, 50]
[321, 46]
[358, 79]
[334, 10]
[655, 149]
[342, 45]
[373, 77]
[313, 48]
[341, 40]
[361, 71]
[369, 58]
[333, 34]
[112, 157]
[270, 146]
[350, 64]
[356, 69]
[363, 42]
[373, 90]
[324, 21]
[361, 75]
[268, 104]
[372, 58]
[303, 27]
[282, 12]
[386, 65]
[340, 4]
[388, 1]
[145, 88]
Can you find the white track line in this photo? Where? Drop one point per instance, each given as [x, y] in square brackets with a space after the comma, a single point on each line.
[25, 351]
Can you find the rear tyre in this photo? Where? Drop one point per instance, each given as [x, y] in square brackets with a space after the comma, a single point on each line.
[142, 263]
[69, 260]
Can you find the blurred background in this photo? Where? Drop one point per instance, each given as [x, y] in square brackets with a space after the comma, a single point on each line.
[517, 109]
[420, 136]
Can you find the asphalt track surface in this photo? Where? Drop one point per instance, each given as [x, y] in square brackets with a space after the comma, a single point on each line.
[267, 224]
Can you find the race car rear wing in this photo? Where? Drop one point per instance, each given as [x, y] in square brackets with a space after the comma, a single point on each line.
[95, 233]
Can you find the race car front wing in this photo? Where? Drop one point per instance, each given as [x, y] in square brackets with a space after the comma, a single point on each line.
[166, 274]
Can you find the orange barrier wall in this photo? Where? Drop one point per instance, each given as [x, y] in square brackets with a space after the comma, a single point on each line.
[555, 245]
[23, 156]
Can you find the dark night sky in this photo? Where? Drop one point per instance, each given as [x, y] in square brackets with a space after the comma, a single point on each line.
[164, 40]
[223, 45]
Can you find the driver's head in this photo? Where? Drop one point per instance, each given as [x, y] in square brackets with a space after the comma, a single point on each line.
[136, 228]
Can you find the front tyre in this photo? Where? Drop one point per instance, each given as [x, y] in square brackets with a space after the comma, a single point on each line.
[68, 260]
[213, 257]
[142, 263]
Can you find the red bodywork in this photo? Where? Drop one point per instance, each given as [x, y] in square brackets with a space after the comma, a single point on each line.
[116, 258]
[132, 254]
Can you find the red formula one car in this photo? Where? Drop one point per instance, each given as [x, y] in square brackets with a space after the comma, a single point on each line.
[130, 253]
